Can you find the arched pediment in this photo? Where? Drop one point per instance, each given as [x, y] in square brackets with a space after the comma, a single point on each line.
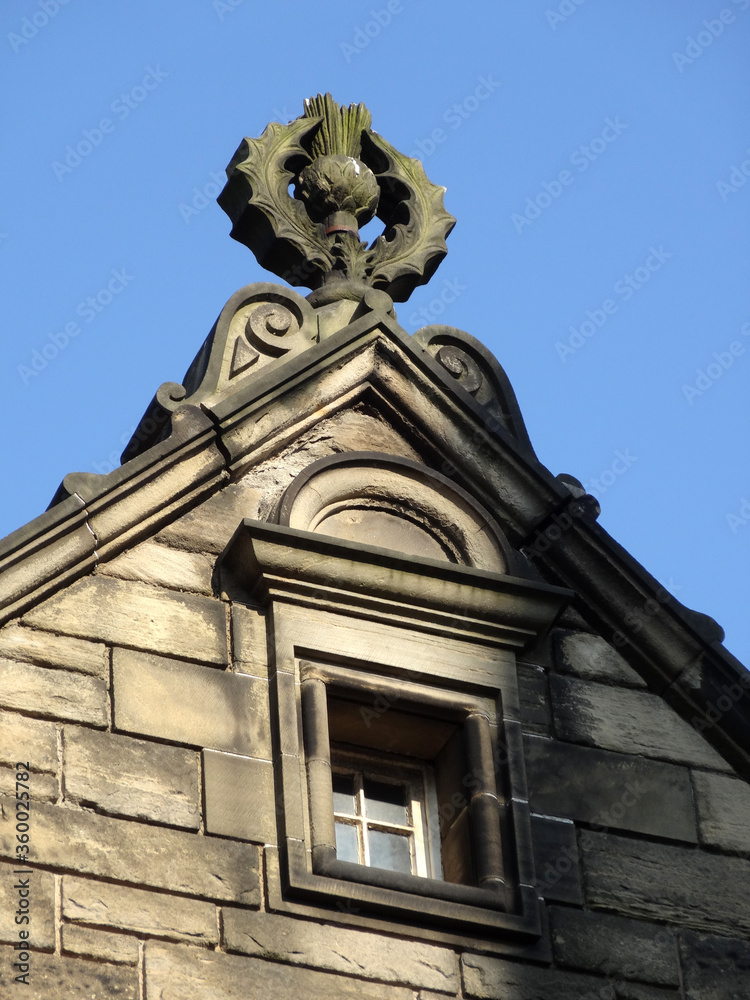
[394, 503]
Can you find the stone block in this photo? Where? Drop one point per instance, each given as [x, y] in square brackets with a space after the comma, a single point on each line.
[371, 956]
[35, 646]
[88, 901]
[101, 945]
[58, 694]
[128, 777]
[614, 946]
[208, 527]
[162, 566]
[41, 887]
[593, 659]
[493, 979]
[627, 721]
[239, 797]
[715, 968]
[137, 615]
[207, 708]
[723, 811]
[558, 871]
[30, 740]
[181, 973]
[54, 977]
[679, 885]
[610, 790]
[42, 787]
[126, 851]
[532, 694]
[249, 643]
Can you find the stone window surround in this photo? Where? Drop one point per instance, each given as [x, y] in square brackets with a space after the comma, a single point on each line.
[472, 714]
[358, 608]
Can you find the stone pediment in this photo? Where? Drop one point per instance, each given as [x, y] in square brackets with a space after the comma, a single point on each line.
[425, 388]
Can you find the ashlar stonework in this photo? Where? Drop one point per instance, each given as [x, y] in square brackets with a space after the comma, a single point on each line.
[333, 690]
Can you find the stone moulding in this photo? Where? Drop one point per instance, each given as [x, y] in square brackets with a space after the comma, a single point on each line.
[368, 480]
[94, 517]
[266, 559]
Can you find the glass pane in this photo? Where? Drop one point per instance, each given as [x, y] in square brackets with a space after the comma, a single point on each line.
[385, 803]
[343, 794]
[390, 851]
[346, 843]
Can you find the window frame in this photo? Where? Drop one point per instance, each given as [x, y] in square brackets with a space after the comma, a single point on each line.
[417, 779]
[494, 890]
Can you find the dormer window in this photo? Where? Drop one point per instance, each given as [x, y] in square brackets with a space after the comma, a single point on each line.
[398, 755]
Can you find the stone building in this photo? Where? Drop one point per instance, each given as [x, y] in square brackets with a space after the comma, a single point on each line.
[333, 690]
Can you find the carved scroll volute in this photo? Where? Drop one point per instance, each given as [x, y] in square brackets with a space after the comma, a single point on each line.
[260, 329]
[473, 368]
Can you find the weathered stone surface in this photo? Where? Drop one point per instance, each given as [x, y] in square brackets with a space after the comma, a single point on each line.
[302, 942]
[658, 881]
[209, 527]
[54, 977]
[593, 659]
[88, 901]
[532, 694]
[41, 898]
[249, 643]
[618, 791]
[239, 797]
[180, 973]
[715, 968]
[42, 787]
[162, 566]
[18, 642]
[640, 991]
[134, 614]
[628, 721]
[493, 979]
[119, 948]
[28, 740]
[59, 694]
[126, 851]
[614, 946]
[558, 871]
[128, 777]
[207, 708]
[723, 811]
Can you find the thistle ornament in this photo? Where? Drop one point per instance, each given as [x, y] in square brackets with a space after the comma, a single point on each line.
[343, 174]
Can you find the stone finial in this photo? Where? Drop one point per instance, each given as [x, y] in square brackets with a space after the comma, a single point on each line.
[342, 174]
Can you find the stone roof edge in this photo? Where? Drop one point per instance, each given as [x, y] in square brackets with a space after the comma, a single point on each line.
[94, 516]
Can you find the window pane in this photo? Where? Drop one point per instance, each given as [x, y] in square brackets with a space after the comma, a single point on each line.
[343, 794]
[390, 851]
[346, 843]
[384, 802]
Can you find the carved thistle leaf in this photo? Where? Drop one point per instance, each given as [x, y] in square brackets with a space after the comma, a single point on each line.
[417, 223]
[274, 226]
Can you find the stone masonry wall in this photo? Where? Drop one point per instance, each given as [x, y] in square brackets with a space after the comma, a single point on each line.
[140, 701]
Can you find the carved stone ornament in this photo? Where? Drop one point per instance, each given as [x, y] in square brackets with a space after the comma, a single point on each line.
[342, 174]
[475, 370]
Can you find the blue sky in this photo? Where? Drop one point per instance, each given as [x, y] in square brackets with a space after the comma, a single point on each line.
[596, 155]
